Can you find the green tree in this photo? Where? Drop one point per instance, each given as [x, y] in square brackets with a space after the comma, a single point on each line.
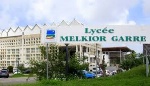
[103, 66]
[133, 54]
[10, 68]
[56, 63]
[131, 61]
[75, 67]
[21, 67]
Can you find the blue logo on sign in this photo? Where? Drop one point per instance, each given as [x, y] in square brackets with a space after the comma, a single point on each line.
[50, 34]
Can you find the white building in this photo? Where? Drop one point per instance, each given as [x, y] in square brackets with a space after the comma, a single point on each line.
[24, 42]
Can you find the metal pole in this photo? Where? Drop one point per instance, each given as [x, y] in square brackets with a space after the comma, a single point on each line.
[120, 57]
[143, 59]
[147, 65]
[17, 65]
[67, 66]
[83, 50]
[96, 59]
[47, 61]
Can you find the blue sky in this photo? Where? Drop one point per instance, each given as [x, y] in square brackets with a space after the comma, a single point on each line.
[15, 13]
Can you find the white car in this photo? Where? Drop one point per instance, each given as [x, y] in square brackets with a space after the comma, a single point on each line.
[17, 72]
[108, 73]
[99, 73]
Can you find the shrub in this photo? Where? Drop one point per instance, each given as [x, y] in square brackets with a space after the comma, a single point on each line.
[130, 63]
[10, 68]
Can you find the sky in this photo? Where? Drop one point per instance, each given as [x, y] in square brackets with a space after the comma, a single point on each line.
[15, 13]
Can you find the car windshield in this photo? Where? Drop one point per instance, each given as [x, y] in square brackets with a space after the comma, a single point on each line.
[88, 72]
[3, 71]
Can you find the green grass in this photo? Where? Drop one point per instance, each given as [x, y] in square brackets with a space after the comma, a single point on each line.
[133, 77]
[21, 75]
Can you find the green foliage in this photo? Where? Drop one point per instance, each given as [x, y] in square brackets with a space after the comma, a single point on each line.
[103, 66]
[19, 75]
[75, 67]
[39, 69]
[21, 67]
[56, 64]
[10, 68]
[131, 62]
[131, 55]
[133, 77]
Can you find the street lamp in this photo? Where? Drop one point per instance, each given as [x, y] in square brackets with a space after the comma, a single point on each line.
[96, 58]
[17, 64]
[67, 65]
[83, 50]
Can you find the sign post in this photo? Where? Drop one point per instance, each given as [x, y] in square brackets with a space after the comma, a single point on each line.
[147, 65]
[47, 61]
[48, 36]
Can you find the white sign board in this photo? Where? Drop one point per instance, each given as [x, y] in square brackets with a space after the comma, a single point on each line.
[101, 34]
[48, 35]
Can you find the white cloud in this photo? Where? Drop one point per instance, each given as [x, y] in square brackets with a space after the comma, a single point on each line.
[39, 10]
[89, 12]
[95, 12]
[146, 7]
[7, 21]
[132, 23]
[11, 12]
[52, 10]
[105, 11]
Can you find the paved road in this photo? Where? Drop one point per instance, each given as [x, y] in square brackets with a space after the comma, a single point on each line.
[19, 80]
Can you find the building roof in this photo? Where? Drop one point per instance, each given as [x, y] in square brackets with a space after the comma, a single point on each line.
[124, 49]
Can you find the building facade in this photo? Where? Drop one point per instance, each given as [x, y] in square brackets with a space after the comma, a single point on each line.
[19, 45]
[115, 55]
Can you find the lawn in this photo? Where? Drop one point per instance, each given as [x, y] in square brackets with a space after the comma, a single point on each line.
[22, 75]
[133, 77]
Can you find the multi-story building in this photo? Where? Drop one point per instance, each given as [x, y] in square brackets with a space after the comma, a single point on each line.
[19, 45]
[115, 55]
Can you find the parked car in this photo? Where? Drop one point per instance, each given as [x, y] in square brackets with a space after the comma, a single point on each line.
[17, 72]
[6, 69]
[27, 71]
[4, 73]
[88, 74]
[99, 73]
[114, 72]
[108, 73]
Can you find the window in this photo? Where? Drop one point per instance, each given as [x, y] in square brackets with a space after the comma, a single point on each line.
[27, 57]
[27, 50]
[32, 50]
[90, 59]
[8, 51]
[17, 51]
[38, 50]
[13, 51]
